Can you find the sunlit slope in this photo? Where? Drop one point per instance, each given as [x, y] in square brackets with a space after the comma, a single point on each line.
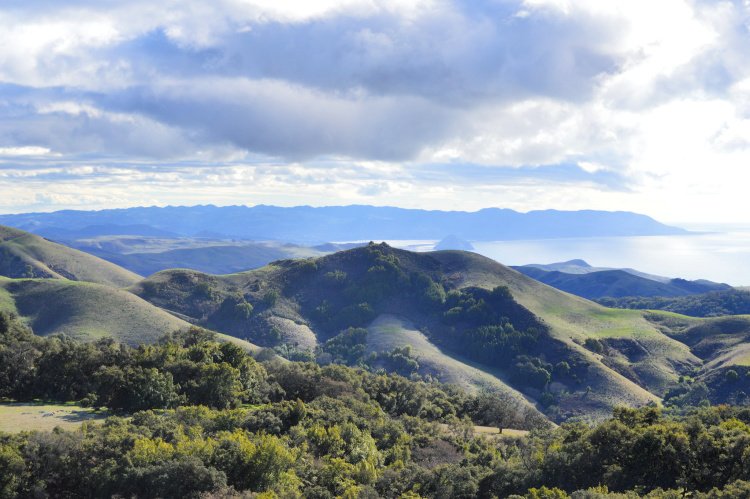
[27, 255]
[88, 311]
[637, 349]
[720, 341]
[388, 332]
[631, 362]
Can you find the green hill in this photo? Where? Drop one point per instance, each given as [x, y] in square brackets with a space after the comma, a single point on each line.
[477, 321]
[617, 283]
[88, 311]
[712, 304]
[24, 255]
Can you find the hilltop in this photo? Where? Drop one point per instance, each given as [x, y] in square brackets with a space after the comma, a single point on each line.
[464, 317]
[25, 255]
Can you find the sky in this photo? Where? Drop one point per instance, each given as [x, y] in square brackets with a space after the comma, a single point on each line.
[568, 104]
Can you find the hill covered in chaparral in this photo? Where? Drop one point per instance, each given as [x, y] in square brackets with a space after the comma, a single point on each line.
[370, 370]
[465, 319]
[450, 316]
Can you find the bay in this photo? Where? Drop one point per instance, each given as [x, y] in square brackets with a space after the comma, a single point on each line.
[717, 256]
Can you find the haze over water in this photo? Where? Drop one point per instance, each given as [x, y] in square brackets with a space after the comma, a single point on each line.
[717, 256]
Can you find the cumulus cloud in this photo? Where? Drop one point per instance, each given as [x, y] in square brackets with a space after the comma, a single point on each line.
[387, 99]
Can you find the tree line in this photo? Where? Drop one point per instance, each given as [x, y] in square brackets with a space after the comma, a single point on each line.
[191, 417]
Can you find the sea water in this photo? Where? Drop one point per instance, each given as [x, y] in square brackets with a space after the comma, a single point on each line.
[717, 256]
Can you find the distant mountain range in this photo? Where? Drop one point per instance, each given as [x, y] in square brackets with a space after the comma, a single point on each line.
[336, 223]
[580, 278]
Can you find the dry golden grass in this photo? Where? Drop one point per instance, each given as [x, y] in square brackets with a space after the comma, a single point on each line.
[17, 417]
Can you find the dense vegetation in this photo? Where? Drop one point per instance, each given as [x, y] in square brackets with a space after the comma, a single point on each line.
[486, 326]
[477, 318]
[713, 304]
[207, 419]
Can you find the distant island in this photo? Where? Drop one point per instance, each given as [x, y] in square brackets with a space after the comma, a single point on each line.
[307, 224]
[454, 243]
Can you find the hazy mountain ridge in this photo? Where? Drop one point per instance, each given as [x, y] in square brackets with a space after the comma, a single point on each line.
[216, 257]
[347, 223]
[580, 278]
[579, 266]
[618, 283]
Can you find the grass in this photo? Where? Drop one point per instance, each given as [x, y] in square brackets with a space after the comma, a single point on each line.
[17, 417]
[388, 332]
[493, 431]
[52, 260]
[89, 311]
[572, 320]
[7, 303]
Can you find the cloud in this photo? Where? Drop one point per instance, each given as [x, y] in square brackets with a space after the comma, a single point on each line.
[630, 101]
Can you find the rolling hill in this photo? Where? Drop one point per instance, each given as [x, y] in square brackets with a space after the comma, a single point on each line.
[88, 311]
[617, 283]
[610, 356]
[452, 316]
[722, 344]
[26, 255]
[712, 304]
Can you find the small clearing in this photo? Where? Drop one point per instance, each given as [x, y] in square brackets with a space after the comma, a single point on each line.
[17, 417]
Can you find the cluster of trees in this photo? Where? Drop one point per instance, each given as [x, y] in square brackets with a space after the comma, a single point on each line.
[375, 275]
[302, 430]
[643, 450]
[186, 368]
[713, 304]
[487, 326]
[350, 348]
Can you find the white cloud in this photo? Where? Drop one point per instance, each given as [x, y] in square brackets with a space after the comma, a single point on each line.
[654, 95]
[25, 151]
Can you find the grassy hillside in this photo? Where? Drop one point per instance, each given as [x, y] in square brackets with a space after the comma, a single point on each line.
[388, 332]
[615, 374]
[713, 304]
[723, 345]
[87, 311]
[26, 255]
[719, 342]
[612, 356]
[617, 284]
